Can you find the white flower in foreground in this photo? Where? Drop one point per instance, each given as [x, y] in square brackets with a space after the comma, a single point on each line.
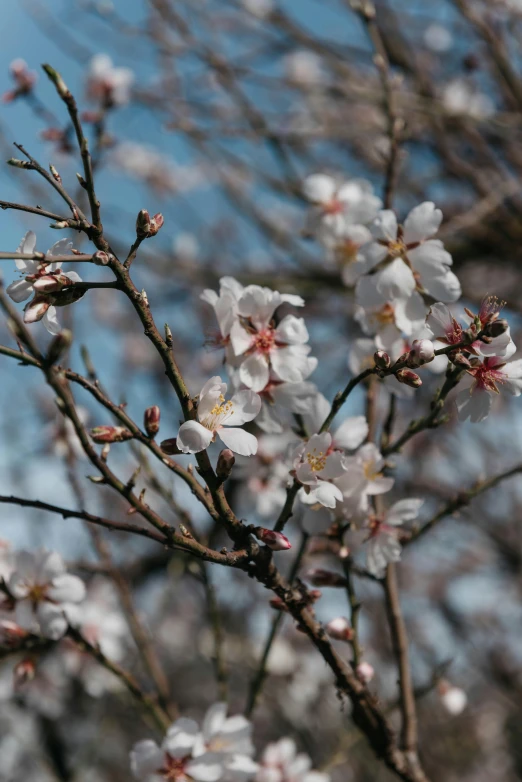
[485, 379]
[41, 279]
[316, 464]
[42, 588]
[335, 205]
[383, 543]
[405, 257]
[281, 762]
[221, 749]
[214, 414]
[262, 347]
[109, 85]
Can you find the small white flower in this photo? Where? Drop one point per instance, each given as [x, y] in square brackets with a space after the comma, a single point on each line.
[452, 698]
[343, 250]
[383, 543]
[402, 257]
[363, 478]
[41, 307]
[316, 464]
[337, 205]
[485, 379]
[214, 414]
[375, 312]
[42, 589]
[107, 84]
[281, 762]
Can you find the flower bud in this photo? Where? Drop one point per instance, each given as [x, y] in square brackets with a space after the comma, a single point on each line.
[100, 258]
[59, 345]
[325, 578]
[409, 378]
[51, 283]
[382, 359]
[453, 698]
[274, 540]
[36, 309]
[110, 434]
[11, 634]
[339, 629]
[225, 462]
[422, 351]
[278, 604]
[142, 224]
[314, 595]
[460, 359]
[151, 420]
[170, 446]
[496, 328]
[156, 223]
[365, 672]
[24, 672]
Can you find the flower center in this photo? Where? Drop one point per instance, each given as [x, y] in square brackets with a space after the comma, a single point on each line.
[317, 461]
[346, 252]
[487, 378]
[174, 769]
[264, 340]
[396, 248]
[219, 412]
[333, 207]
[386, 315]
[370, 473]
[37, 593]
[490, 309]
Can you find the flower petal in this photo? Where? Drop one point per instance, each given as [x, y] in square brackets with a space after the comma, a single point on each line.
[66, 589]
[422, 222]
[351, 433]
[193, 437]
[246, 405]
[239, 441]
[254, 372]
[319, 188]
[19, 290]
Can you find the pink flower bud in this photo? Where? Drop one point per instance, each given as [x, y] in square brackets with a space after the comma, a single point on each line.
[496, 328]
[339, 629]
[143, 224]
[151, 420]
[278, 604]
[51, 283]
[422, 351]
[100, 258]
[110, 434]
[225, 462]
[314, 595]
[365, 672]
[325, 578]
[59, 345]
[36, 309]
[24, 672]
[170, 446]
[10, 633]
[274, 540]
[460, 359]
[409, 378]
[382, 359]
[156, 223]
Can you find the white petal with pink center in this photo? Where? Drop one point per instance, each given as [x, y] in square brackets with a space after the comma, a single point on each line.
[383, 545]
[484, 380]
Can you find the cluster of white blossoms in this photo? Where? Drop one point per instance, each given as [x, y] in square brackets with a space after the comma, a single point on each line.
[221, 749]
[106, 84]
[45, 281]
[264, 353]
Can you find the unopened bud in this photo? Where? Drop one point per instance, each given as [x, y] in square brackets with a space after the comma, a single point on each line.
[81, 180]
[365, 672]
[51, 283]
[11, 634]
[274, 540]
[59, 225]
[339, 629]
[460, 359]
[314, 595]
[59, 345]
[409, 378]
[110, 434]
[156, 223]
[453, 698]
[18, 163]
[36, 309]
[24, 672]
[170, 446]
[325, 578]
[422, 351]
[142, 224]
[101, 258]
[55, 173]
[151, 420]
[382, 359]
[225, 462]
[278, 604]
[496, 328]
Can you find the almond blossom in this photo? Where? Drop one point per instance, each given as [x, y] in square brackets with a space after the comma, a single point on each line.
[349, 435]
[107, 84]
[383, 541]
[281, 762]
[375, 312]
[214, 414]
[43, 279]
[334, 204]
[404, 258]
[363, 478]
[316, 464]
[41, 589]
[343, 251]
[444, 326]
[221, 748]
[484, 379]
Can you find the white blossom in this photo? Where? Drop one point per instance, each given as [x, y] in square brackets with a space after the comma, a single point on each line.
[42, 588]
[404, 257]
[383, 543]
[363, 478]
[281, 762]
[214, 414]
[335, 205]
[316, 464]
[108, 84]
[41, 307]
[483, 381]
